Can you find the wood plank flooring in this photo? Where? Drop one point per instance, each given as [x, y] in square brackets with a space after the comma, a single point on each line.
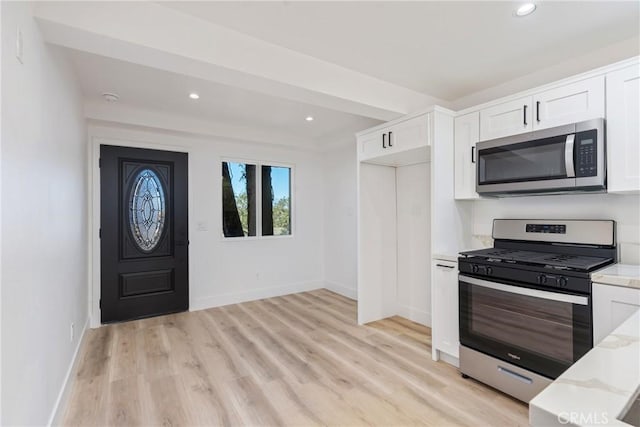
[294, 360]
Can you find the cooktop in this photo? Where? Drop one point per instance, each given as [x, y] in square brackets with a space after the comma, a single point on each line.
[515, 256]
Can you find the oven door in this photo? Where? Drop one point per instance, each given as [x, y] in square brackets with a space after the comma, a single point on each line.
[510, 165]
[541, 331]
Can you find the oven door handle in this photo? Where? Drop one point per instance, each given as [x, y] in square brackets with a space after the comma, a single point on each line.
[535, 293]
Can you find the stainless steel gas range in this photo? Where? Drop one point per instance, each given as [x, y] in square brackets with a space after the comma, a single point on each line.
[525, 304]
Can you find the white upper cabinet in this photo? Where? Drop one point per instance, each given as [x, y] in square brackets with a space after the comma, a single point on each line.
[509, 118]
[570, 103]
[467, 133]
[409, 134]
[388, 143]
[623, 130]
[370, 145]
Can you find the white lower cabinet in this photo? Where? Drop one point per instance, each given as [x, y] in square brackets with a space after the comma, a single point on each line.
[612, 305]
[623, 130]
[444, 329]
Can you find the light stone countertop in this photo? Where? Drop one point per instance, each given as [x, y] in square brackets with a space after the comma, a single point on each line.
[446, 257]
[599, 388]
[618, 275]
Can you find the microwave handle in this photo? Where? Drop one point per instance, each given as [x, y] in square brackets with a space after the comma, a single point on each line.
[568, 156]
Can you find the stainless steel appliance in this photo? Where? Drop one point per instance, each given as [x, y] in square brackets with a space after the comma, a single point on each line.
[558, 160]
[525, 304]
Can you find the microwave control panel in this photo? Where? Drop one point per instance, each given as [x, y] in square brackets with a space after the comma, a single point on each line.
[586, 153]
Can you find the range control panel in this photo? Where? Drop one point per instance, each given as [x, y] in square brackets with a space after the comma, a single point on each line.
[586, 153]
[546, 228]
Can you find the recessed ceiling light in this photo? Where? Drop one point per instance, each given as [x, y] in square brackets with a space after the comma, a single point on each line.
[194, 95]
[525, 9]
[309, 118]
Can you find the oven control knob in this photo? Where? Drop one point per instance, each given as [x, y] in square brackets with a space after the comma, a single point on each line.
[562, 282]
[475, 268]
[542, 279]
[489, 271]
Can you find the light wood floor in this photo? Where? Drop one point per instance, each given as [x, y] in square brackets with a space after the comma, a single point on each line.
[293, 360]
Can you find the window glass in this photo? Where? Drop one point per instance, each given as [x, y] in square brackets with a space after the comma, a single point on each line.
[276, 200]
[147, 210]
[238, 199]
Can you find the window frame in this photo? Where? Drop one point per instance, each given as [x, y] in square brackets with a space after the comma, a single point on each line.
[292, 199]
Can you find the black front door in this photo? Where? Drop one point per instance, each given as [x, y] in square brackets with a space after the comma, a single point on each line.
[144, 233]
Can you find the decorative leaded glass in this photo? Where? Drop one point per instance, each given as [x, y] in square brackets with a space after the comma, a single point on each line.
[147, 210]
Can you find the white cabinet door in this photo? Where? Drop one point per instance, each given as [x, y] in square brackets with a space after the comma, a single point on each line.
[509, 118]
[444, 328]
[409, 134]
[623, 130]
[467, 133]
[403, 136]
[575, 102]
[370, 145]
[612, 305]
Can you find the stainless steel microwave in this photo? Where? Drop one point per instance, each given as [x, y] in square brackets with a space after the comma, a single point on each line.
[563, 159]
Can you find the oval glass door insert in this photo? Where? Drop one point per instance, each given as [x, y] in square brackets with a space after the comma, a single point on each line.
[147, 210]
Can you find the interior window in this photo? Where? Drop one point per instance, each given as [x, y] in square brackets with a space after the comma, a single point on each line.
[238, 199]
[276, 201]
[242, 217]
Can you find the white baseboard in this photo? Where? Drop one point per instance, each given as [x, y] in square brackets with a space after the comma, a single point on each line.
[251, 295]
[419, 316]
[341, 289]
[451, 360]
[63, 396]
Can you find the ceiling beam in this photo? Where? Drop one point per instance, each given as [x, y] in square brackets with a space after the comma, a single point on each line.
[153, 35]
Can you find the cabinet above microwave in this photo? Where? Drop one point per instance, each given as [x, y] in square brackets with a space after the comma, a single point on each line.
[570, 103]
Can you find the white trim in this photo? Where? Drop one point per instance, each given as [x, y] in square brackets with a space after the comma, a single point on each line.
[557, 83]
[94, 212]
[342, 289]
[63, 396]
[253, 294]
[416, 315]
[447, 358]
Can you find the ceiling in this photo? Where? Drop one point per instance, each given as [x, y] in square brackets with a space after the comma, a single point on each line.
[444, 49]
[448, 50]
[161, 91]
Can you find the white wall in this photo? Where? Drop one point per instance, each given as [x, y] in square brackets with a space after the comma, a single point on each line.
[340, 222]
[44, 280]
[625, 210]
[234, 270]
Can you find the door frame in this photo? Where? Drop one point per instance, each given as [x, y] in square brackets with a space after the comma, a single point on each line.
[94, 219]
